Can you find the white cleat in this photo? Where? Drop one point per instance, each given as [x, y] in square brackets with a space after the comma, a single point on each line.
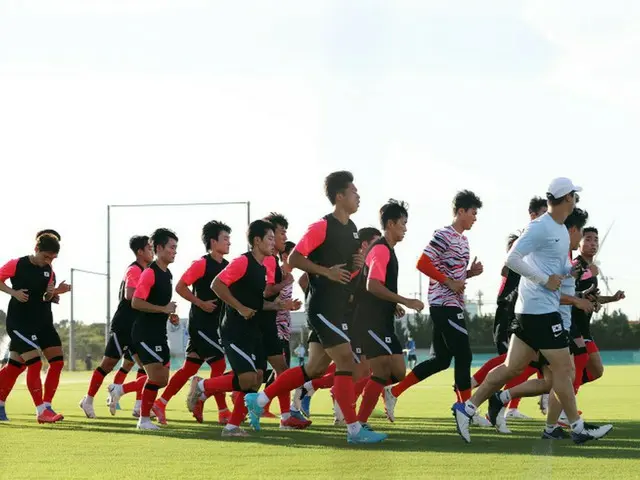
[544, 403]
[338, 415]
[463, 421]
[147, 424]
[479, 420]
[390, 401]
[501, 427]
[234, 432]
[515, 413]
[297, 399]
[86, 404]
[115, 392]
[194, 393]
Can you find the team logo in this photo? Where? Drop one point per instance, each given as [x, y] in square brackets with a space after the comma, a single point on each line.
[158, 348]
[387, 339]
[355, 235]
[461, 316]
[358, 351]
[46, 274]
[34, 337]
[253, 357]
[345, 327]
[556, 329]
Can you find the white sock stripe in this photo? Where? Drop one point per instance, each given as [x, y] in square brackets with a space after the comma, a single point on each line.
[210, 341]
[333, 327]
[154, 354]
[379, 340]
[458, 327]
[243, 355]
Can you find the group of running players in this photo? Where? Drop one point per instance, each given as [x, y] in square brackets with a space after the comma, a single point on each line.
[240, 314]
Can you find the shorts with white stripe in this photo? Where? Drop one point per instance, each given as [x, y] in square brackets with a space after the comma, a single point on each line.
[378, 342]
[23, 339]
[150, 344]
[118, 345]
[329, 328]
[205, 342]
[243, 349]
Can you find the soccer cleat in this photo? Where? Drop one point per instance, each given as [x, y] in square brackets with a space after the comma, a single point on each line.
[255, 410]
[305, 406]
[366, 436]
[590, 432]
[118, 406]
[194, 393]
[159, 408]
[338, 416]
[558, 433]
[234, 432]
[463, 421]
[298, 394]
[3, 414]
[495, 412]
[59, 417]
[198, 411]
[146, 425]
[480, 420]
[47, 416]
[390, 401]
[515, 413]
[267, 414]
[223, 416]
[295, 422]
[87, 407]
[543, 403]
[115, 392]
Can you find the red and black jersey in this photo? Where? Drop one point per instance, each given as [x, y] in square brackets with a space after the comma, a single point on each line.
[125, 314]
[246, 279]
[199, 276]
[155, 287]
[25, 275]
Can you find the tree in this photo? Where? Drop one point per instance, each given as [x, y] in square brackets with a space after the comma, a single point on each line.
[421, 329]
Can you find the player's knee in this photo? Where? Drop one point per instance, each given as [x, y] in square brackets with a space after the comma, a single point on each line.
[108, 364]
[597, 371]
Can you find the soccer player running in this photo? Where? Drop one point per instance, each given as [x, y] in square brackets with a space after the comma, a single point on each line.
[32, 287]
[120, 344]
[377, 306]
[204, 321]
[241, 287]
[540, 256]
[152, 300]
[328, 252]
[445, 261]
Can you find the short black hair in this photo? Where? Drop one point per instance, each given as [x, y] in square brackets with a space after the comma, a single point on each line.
[557, 201]
[367, 234]
[47, 242]
[277, 219]
[138, 242]
[211, 231]
[50, 231]
[536, 203]
[590, 230]
[577, 218]
[258, 229]
[393, 210]
[288, 246]
[335, 183]
[466, 199]
[161, 236]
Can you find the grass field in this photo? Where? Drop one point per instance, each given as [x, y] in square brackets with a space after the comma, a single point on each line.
[422, 442]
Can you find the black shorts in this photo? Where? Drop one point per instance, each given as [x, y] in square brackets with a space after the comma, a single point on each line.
[205, 342]
[542, 332]
[150, 344]
[583, 326]
[412, 357]
[24, 338]
[271, 343]
[243, 347]
[48, 336]
[330, 328]
[355, 336]
[119, 344]
[381, 340]
[502, 329]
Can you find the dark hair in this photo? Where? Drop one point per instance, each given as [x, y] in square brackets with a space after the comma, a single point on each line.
[577, 218]
[138, 242]
[557, 201]
[590, 230]
[48, 242]
[511, 239]
[367, 234]
[393, 210]
[335, 183]
[277, 219]
[50, 232]
[258, 229]
[288, 246]
[161, 236]
[211, 231]
[536, 204]
[466, 199]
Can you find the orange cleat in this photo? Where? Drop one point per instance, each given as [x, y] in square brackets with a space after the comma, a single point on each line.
[158, 409]
[198, 410]
[47, 416]
[224, 416]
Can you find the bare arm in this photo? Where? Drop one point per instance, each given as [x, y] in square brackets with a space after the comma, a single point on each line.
[183, 290]
[297, 260]
[144, 306]
[303, 281]
[377, 288]
[7, 289]
[128, 293]
[224, 294]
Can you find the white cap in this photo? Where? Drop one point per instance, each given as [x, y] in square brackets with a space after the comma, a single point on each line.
[561, 186]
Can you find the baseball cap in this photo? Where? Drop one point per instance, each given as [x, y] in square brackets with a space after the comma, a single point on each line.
[561, 186]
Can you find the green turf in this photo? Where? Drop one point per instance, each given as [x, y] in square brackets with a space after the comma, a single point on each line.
[422, 442]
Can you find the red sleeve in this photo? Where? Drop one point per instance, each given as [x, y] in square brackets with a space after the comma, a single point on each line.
[313, 238]
[147, 279]
[426, 267]
[195, 272]
[132, 276]
[270, 264]
[8, 270]
[234, 271]
[377, 261]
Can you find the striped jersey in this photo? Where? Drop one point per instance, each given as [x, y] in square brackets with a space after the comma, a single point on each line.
[448, 250]
[283, 317]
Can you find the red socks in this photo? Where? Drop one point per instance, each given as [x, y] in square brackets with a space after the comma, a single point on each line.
[481, 374]
[96, 381]
[344, 393]
[34, 383]
[51, 382]
[370, 397]
[580, 362]
[360, 386]
[8, 378]
[326, 381]
[408, 381]
[182, 376]
[464, 395]
[222, 383]
[288, 380]
[217, 369]
[121, 376]
[284, 399]
[149, 395]
[239, 410]
[136, 386]
[141, 374]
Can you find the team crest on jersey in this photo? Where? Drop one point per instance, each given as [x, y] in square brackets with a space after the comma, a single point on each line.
[358, 351]
[34, 337]
[387, 339]
[461, 316]
[345, 327]
[46, 274]
[158, 348]
[355, 235]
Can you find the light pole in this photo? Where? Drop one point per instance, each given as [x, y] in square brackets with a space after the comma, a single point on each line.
[147, 205]
[72, 328]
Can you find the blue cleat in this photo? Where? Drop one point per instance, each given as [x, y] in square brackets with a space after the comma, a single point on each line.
[365, 435]
[118, 406]
[305, 406]
[255, 410]
[3, 414]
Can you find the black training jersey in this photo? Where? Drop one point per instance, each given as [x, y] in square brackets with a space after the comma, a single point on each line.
[125, 314]
[200, 275]
[25, 275]
[246, 279]
[156, 287]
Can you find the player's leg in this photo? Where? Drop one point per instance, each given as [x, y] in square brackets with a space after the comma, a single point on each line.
[52, 350]
[594, 368]
[10, 373]
[189, 368]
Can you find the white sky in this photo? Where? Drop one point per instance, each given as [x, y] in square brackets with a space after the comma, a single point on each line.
[110, 102]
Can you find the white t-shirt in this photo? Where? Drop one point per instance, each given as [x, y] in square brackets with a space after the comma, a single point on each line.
[541, 251]
[568, 287]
